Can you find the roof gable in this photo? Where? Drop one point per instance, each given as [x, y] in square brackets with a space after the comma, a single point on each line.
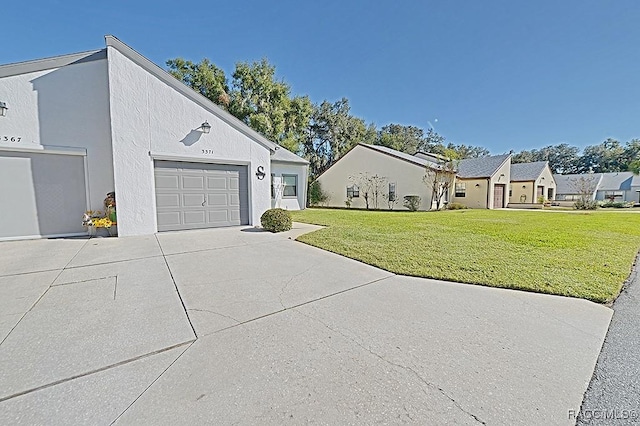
[481, 167]
[527, 171]
[162, 75]
[51, 63]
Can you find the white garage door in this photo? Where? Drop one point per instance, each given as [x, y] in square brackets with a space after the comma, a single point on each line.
[197, 195]
[41, 194]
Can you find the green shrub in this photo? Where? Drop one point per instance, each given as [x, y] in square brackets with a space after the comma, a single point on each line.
[276, 220]
[316, 194]
[616, 205]
[585, 205]
[412, 202]
[456, 206]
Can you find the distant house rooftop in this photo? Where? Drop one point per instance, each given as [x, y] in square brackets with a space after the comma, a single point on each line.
[618, 181]
[481, 167]
[523, 172]
[402, 155]
[566, 184]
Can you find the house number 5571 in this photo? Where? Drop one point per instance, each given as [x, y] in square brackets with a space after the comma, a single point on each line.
[10, 138]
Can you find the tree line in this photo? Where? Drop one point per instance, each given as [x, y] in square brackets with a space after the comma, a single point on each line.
[608, 156]
[323, 132]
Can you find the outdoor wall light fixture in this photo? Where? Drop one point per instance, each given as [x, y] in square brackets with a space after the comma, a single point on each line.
[205, 127]
[3, 109]
[477, 185]
[524, 186]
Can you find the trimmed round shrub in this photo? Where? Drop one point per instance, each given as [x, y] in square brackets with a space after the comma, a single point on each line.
[276, 220]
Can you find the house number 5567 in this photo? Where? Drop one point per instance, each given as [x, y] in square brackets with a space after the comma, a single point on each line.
[10, 138]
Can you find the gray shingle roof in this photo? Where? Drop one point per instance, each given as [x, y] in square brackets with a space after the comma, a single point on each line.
[403, 156]
[282, 154]
[615, 181]
[481, 167]
[619, 181]
[521, 172]
[565, 184]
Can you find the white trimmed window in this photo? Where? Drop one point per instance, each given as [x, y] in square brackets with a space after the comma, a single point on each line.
[290, 185]
[392, 192]
[461, 189]
[353, 191]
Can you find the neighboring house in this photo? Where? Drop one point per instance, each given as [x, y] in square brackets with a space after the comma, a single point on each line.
[79, 126]
[403, 175]
[530, 181]
[574, 187]
[619, 187]
[482, 183]
[615, 186]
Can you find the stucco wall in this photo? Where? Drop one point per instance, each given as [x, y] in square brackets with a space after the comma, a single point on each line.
[63, 107]
[546, 179]
[475, 193]
[630, 195]
[406, 176]
[150, 119]
[522, 188]
[290, 203]
[501, 176]
[530, 188]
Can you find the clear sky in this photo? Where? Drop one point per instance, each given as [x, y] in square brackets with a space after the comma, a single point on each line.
[503, 74]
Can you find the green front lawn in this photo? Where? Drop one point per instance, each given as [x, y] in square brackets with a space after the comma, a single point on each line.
[587, 255]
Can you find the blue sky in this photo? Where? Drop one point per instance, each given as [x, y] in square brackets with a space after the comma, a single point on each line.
[500, 74]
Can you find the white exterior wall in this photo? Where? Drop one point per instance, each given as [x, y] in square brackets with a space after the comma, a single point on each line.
[151, 120]
[502, 176]
[290, 203]
[63, 110]
[407, 177]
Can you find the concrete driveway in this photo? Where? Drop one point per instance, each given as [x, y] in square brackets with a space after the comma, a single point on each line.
[234, 326]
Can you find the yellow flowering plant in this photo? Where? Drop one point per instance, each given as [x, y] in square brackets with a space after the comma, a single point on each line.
[103, 222]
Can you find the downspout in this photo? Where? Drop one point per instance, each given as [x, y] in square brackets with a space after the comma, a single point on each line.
[488, 191]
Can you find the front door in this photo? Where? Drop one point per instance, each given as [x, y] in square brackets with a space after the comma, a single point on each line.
[540, 193]
[498, 196]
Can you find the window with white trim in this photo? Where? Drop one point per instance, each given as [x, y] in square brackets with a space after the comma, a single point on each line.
[353, 191]
[290, 185]
[461, 189]
[392, 192]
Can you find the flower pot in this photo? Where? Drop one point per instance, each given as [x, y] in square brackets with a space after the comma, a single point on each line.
[112, 216]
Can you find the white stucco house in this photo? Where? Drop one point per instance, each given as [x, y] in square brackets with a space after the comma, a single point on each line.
[78, 126]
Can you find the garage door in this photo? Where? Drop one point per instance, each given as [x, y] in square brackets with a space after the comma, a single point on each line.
[196, 195]
[41, 194]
